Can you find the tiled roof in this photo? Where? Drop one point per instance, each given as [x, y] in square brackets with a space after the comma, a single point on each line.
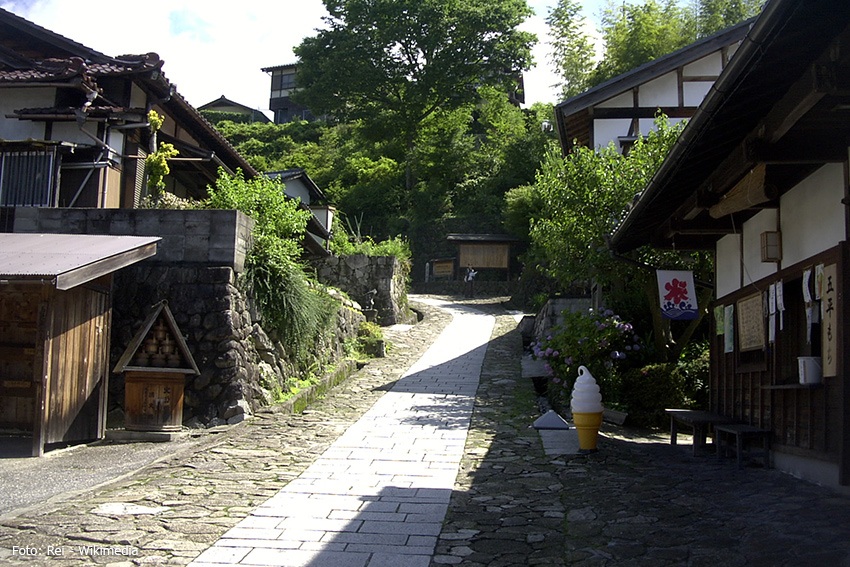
[65, 69]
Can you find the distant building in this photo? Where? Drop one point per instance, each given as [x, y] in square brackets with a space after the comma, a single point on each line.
[226, 106]
[283, 85]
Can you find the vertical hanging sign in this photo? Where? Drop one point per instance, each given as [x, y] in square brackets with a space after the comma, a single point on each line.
[829, 320]
[677, 295]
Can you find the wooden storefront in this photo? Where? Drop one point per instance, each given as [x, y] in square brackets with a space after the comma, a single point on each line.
[757, 379]
[55, 315]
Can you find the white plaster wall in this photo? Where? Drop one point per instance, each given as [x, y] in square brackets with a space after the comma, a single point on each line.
[605, 131]
[138, 98]
[70, 132]
[296, 189]
[812, 216]
[17, 99]
[663, 91]
[711, 64]
[728, 265]
[621, 100]
[647, 125]
[753, 268]
[694, 92]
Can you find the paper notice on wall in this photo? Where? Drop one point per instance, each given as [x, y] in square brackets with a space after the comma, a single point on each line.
[719, 325]
[818, 281]
[729, 329]
[807, 286]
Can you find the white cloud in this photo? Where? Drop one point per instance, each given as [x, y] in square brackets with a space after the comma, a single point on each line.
[212, 49]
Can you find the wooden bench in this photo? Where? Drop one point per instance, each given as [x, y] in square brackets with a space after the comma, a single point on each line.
[697, 420]
[742, 434]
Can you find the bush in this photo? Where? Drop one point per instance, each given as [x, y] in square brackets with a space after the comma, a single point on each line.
[599, 340]
[647, 391]
[693, 372]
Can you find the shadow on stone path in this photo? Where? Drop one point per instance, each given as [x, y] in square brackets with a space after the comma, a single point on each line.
[638, 501]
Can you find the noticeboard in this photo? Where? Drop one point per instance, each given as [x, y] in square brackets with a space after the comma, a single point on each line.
[750, 312]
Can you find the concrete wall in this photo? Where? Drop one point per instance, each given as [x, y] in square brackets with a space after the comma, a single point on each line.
[216, 238]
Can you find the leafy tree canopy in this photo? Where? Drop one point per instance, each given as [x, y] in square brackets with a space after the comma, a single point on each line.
[633, 34]
[394, 63]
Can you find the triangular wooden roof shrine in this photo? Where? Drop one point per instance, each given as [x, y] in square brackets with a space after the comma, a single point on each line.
[158, 330]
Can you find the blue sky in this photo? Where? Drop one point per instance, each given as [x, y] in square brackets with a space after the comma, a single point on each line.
[216, 48]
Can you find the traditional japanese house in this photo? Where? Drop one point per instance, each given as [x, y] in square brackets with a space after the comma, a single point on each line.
[760, 177]
[624, 107]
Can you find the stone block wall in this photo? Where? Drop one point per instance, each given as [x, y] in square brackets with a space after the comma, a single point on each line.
[240, 365]
[357, 274]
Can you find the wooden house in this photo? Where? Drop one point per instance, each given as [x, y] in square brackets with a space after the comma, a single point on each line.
[55, 316]
[760, 177]
[622, 108]
[229, 108]
[280, 95]
[74, 128]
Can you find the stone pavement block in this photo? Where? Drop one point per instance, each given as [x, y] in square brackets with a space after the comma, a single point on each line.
[305, 558]
[411, 528]
[227, 543]
[395, 560]
[369, 538]
[321, 524]
[224, 555]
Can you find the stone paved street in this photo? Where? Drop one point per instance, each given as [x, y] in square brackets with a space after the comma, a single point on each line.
[638, 501]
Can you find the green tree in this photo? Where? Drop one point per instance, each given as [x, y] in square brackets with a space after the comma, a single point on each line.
[582, 198]
[572, 49]
[716, 15]
[394, 63]
[634, 34]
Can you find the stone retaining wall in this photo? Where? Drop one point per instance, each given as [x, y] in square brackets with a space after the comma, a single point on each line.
[357, 274]
[241, 366]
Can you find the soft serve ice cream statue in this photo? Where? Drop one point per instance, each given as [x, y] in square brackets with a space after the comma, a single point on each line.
[586, 406]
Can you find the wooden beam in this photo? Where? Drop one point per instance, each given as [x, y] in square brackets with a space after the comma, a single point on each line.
[826, 149]
[819, 80]
[105, 266]
[643, 112]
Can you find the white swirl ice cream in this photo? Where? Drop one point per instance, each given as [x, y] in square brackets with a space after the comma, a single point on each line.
[586, 397]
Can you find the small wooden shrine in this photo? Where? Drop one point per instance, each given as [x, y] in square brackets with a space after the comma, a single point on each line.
[155, 366]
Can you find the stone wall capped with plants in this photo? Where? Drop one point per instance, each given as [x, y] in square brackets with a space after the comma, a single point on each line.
[242, 365]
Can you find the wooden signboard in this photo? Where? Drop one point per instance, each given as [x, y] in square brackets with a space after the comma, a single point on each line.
[829, 324]
[750, 323]
[490, 255]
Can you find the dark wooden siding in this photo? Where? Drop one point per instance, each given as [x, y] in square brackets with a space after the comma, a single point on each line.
[78, 364]
[762, 387]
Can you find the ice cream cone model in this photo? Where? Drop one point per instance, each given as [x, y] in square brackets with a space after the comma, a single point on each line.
[586, 406]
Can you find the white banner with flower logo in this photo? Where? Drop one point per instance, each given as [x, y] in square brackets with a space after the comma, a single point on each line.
[677, 295]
